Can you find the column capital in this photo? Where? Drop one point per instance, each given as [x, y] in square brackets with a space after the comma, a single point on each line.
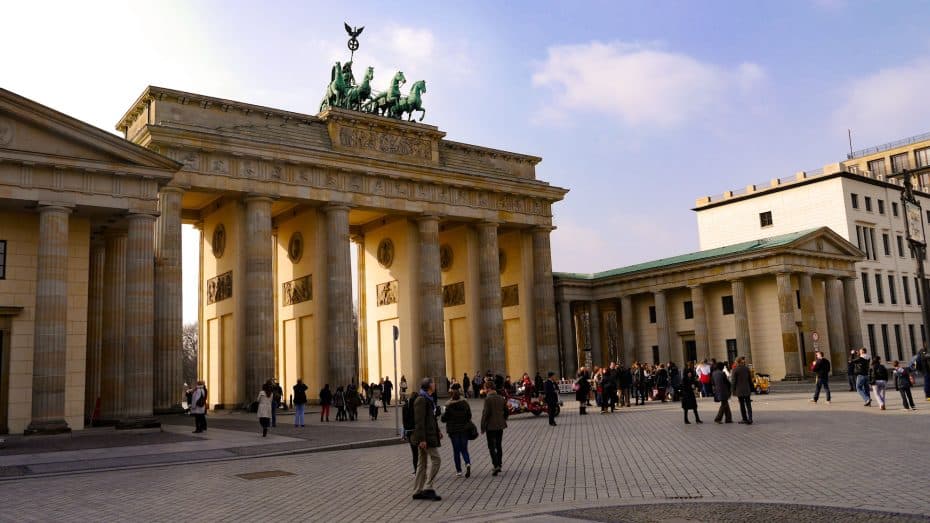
[255, 197]
[141, 216]
[173, 189]
[488, 224]
[336, 206]
[659, 291]
[427, 217]
[48, 206]
[543, 228]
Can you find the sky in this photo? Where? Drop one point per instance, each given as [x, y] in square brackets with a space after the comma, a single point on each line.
[637, 107]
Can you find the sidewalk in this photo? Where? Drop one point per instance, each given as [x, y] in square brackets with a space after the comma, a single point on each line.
[230, 435]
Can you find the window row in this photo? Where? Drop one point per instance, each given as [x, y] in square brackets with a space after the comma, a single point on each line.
[900, 162]
[854, 201]
[892, 289]
[726, 306]
[900, 353]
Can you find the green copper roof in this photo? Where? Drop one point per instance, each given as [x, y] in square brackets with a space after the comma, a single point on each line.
[719, 252]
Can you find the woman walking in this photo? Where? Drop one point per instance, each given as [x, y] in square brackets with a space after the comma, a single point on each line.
[686, 392]
[352, 402]
[264, 407]
[326, 399]
[902, 383]
[457, 418]
[300, 401]
[375, 392]
[582, 391]
[339, 401]
[878, 378]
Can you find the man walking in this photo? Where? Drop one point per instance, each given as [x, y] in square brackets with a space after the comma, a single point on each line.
[198, 406]
[742, 387]
[822, 372]
[387, 392]
[861, 370]
[426, 436]
[551, 397]
[722, 389]
[609, 389]
[493, 423]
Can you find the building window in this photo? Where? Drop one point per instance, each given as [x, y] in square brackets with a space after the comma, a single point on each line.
[871, 330]
[855, 200]
[865, 240]
[690, 350]
[923, 336]
[928, 216]
[2, 259]
[922, 156]
[868, 203]
[689, 310]
[892, 291]
[655, 354]
[907, 290]
[727, 303]
[877, 167]
[886, 243]
[885, 344]
[652, 314]
[918, 290]
[765, 219]
[897, 340]
[881, 206]
[878, 288]
[900, 240]
[797, 298]
[731, 350]
[899, 163]
[866, 295]
[910, 334]
[894, 209]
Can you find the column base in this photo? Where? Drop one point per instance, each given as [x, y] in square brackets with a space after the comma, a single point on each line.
[174, 409]
[57, 426]
[793, 377]
[145, 422]
[442, 388]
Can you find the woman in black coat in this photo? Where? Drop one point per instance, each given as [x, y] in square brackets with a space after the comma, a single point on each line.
[688, 399]
[583, 392]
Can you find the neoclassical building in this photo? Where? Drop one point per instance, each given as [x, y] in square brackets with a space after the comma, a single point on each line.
[775, 300]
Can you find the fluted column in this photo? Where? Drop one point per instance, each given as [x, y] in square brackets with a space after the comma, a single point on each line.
[808, 316]
[259, 294]
[362, 308]
[741, 319]
[835, 325]
[492, 316]
[339, 342]
[628, 327]
[169, 306]
[852, 320]
[662, 334]
[51, 323]
[113, 349]
[594, 323]
[547, 351]
[569, 349]
[95, 290]
[701, 344]
[789, 330]
[432, 338]
[138, 388]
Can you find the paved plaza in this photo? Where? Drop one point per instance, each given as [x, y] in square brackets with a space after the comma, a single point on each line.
[641, 464]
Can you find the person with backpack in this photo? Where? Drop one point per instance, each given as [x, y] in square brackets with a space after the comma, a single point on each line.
[457, 418]
[861, 370]
[326, 399]
[878, 378]
[339, 401]
[821, 369]
[902, 383]
[198, 407]
[300, 402]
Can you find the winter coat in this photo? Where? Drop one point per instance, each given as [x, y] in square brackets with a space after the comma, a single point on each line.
[425, 426]
[494, 415]
[352, 399]
[721, 385]
[822, 369]
[662, 379]
[198, 393]
[584, 389]
[902, 378]
[860, 366]
[339, 399]
[264, 405]
[688, 399]
[552, 392]
[742, 381]
[877, 373]
[456, 416]
[300, 394]
[326, 396]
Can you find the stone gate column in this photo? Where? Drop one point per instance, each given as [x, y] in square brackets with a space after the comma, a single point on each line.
[169, 306]
[808, 316]
[95, 291]
[836, 307]
[662, 333]
[789, 329]
[492, 315]
[547, 351]
[852, 320]
[138, 390]
[362, 363]
[569, 349]
[628, 326]
[112, 351]
[741, 319]
[594, 324]
[701, 344]
[259, 294]
[432, 338]
[339, 342]
[50, 352]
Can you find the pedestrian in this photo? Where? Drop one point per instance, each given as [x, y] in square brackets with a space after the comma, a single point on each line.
[582, 391]
[625, 383]
[639, 383]
[265, 406]
[477, 383]
[902, 383]
[662, 383]
[198, 407]
[339, 401]
[821, 370]
[742, 387]
[409, 422]
[457, 418]
[388, 390]
[851, 370]
[366, 393]
[538, 383]
[375, 391]
[466, 385]
[861, 371]
[403, 387]
[923, 366]
[674, 379]
[426, 436]
[493, 423]
[276, 394]
[722, 392]
[609, 389]
[352, 402]
[326, 399]
[300, 402]
[551, 397]
[687, 396]
[704, 371]
[878, 378]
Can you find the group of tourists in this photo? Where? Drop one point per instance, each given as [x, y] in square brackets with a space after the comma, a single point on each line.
[869, 377]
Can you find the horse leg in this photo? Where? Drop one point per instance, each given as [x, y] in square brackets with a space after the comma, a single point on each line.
[422, 114]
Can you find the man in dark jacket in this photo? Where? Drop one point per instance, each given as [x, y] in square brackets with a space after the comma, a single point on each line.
[625, 384]
[493, 423]
[722, 390]
[861, 370]
[923, 366]
[409, 423]
[426, 436]
[609, 388]
[387, 392]
[742, 387]
[552, 397]
[822, 374]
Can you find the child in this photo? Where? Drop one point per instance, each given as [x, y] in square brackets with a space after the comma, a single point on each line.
[902, 383]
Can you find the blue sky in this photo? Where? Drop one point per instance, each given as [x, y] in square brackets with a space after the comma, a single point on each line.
[637, 107]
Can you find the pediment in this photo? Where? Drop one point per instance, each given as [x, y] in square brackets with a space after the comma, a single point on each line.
[32, 132]
[824, 241]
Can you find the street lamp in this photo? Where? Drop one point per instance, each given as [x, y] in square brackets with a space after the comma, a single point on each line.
[916, 237]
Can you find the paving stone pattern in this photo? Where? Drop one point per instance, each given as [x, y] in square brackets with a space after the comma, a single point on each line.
[840, 455]
[734, 513]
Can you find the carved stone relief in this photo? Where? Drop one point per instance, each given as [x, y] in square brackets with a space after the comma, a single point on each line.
[387, 293]
[219, 288]
[510, 296]
[297, 291]
[386, 143]
[219, 241]
[386, 253]
[453, 294]
[6, 132]
[295, 247]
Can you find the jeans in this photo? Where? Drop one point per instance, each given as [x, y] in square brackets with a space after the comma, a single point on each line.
[879, 390]
[907, 398]
[745, 408]
[825, 383]
[862, 386]
[299, 414]
[424, 480]
[495, 440]
[274, 412]
[460, 450]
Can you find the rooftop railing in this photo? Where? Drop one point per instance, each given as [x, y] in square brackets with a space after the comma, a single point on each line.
[888, 146]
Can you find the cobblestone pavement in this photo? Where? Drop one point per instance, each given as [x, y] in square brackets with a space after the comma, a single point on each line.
[843, 455]
[728, 512]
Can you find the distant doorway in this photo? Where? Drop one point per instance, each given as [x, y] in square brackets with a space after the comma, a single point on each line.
[689, 350]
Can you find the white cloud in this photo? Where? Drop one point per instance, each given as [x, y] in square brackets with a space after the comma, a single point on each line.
[642, 84]
[888, 104]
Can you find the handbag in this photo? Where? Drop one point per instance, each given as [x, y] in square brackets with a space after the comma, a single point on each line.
[472, 431]
[575, 387]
